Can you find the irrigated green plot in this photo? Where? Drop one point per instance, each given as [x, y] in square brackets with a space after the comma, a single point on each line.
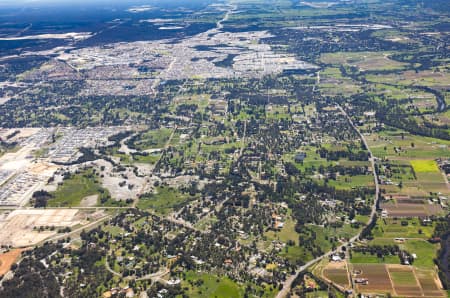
[424, 166]
[403, 278]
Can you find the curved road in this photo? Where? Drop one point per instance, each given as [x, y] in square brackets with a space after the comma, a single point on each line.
[157, 276]
[287, 285]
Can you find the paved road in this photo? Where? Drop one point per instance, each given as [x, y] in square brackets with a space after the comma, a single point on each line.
[287, 285]
[110, 270]
[157, 276]
[372, 163]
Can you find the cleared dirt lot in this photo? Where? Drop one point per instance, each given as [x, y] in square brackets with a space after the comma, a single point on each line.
[23, 133]
[17, 228]
[111, 180]
[43, 168]
[8, 258]
[89, 201]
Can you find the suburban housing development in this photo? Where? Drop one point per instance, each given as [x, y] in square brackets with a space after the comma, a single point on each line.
[224, 148]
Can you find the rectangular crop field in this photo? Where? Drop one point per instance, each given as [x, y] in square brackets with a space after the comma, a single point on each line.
[424, 166]
[378, 277]
[427, 280]
[404, 281]
[411, 208]
[398, 280]
[337, 273]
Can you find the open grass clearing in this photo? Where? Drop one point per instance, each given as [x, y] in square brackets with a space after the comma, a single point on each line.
[152, 139]
[286, 233]
[396, 144]
[410, 77]
[348, 182]
[361, 258]
[74, 189]
[296, 253]
[208, 285]
[163, 200]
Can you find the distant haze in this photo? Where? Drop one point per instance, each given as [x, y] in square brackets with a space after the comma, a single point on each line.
[18, 3]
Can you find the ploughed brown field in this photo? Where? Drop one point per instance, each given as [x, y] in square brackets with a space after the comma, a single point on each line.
[377, 274]
[410, 207]
[337, 273]
[398, 280]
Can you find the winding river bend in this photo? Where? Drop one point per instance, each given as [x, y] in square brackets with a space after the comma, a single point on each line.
[440, 98]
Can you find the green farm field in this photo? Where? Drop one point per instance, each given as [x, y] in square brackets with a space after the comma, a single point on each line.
[424, 166]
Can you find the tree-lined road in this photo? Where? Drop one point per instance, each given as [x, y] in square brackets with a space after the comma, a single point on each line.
[287, 285]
